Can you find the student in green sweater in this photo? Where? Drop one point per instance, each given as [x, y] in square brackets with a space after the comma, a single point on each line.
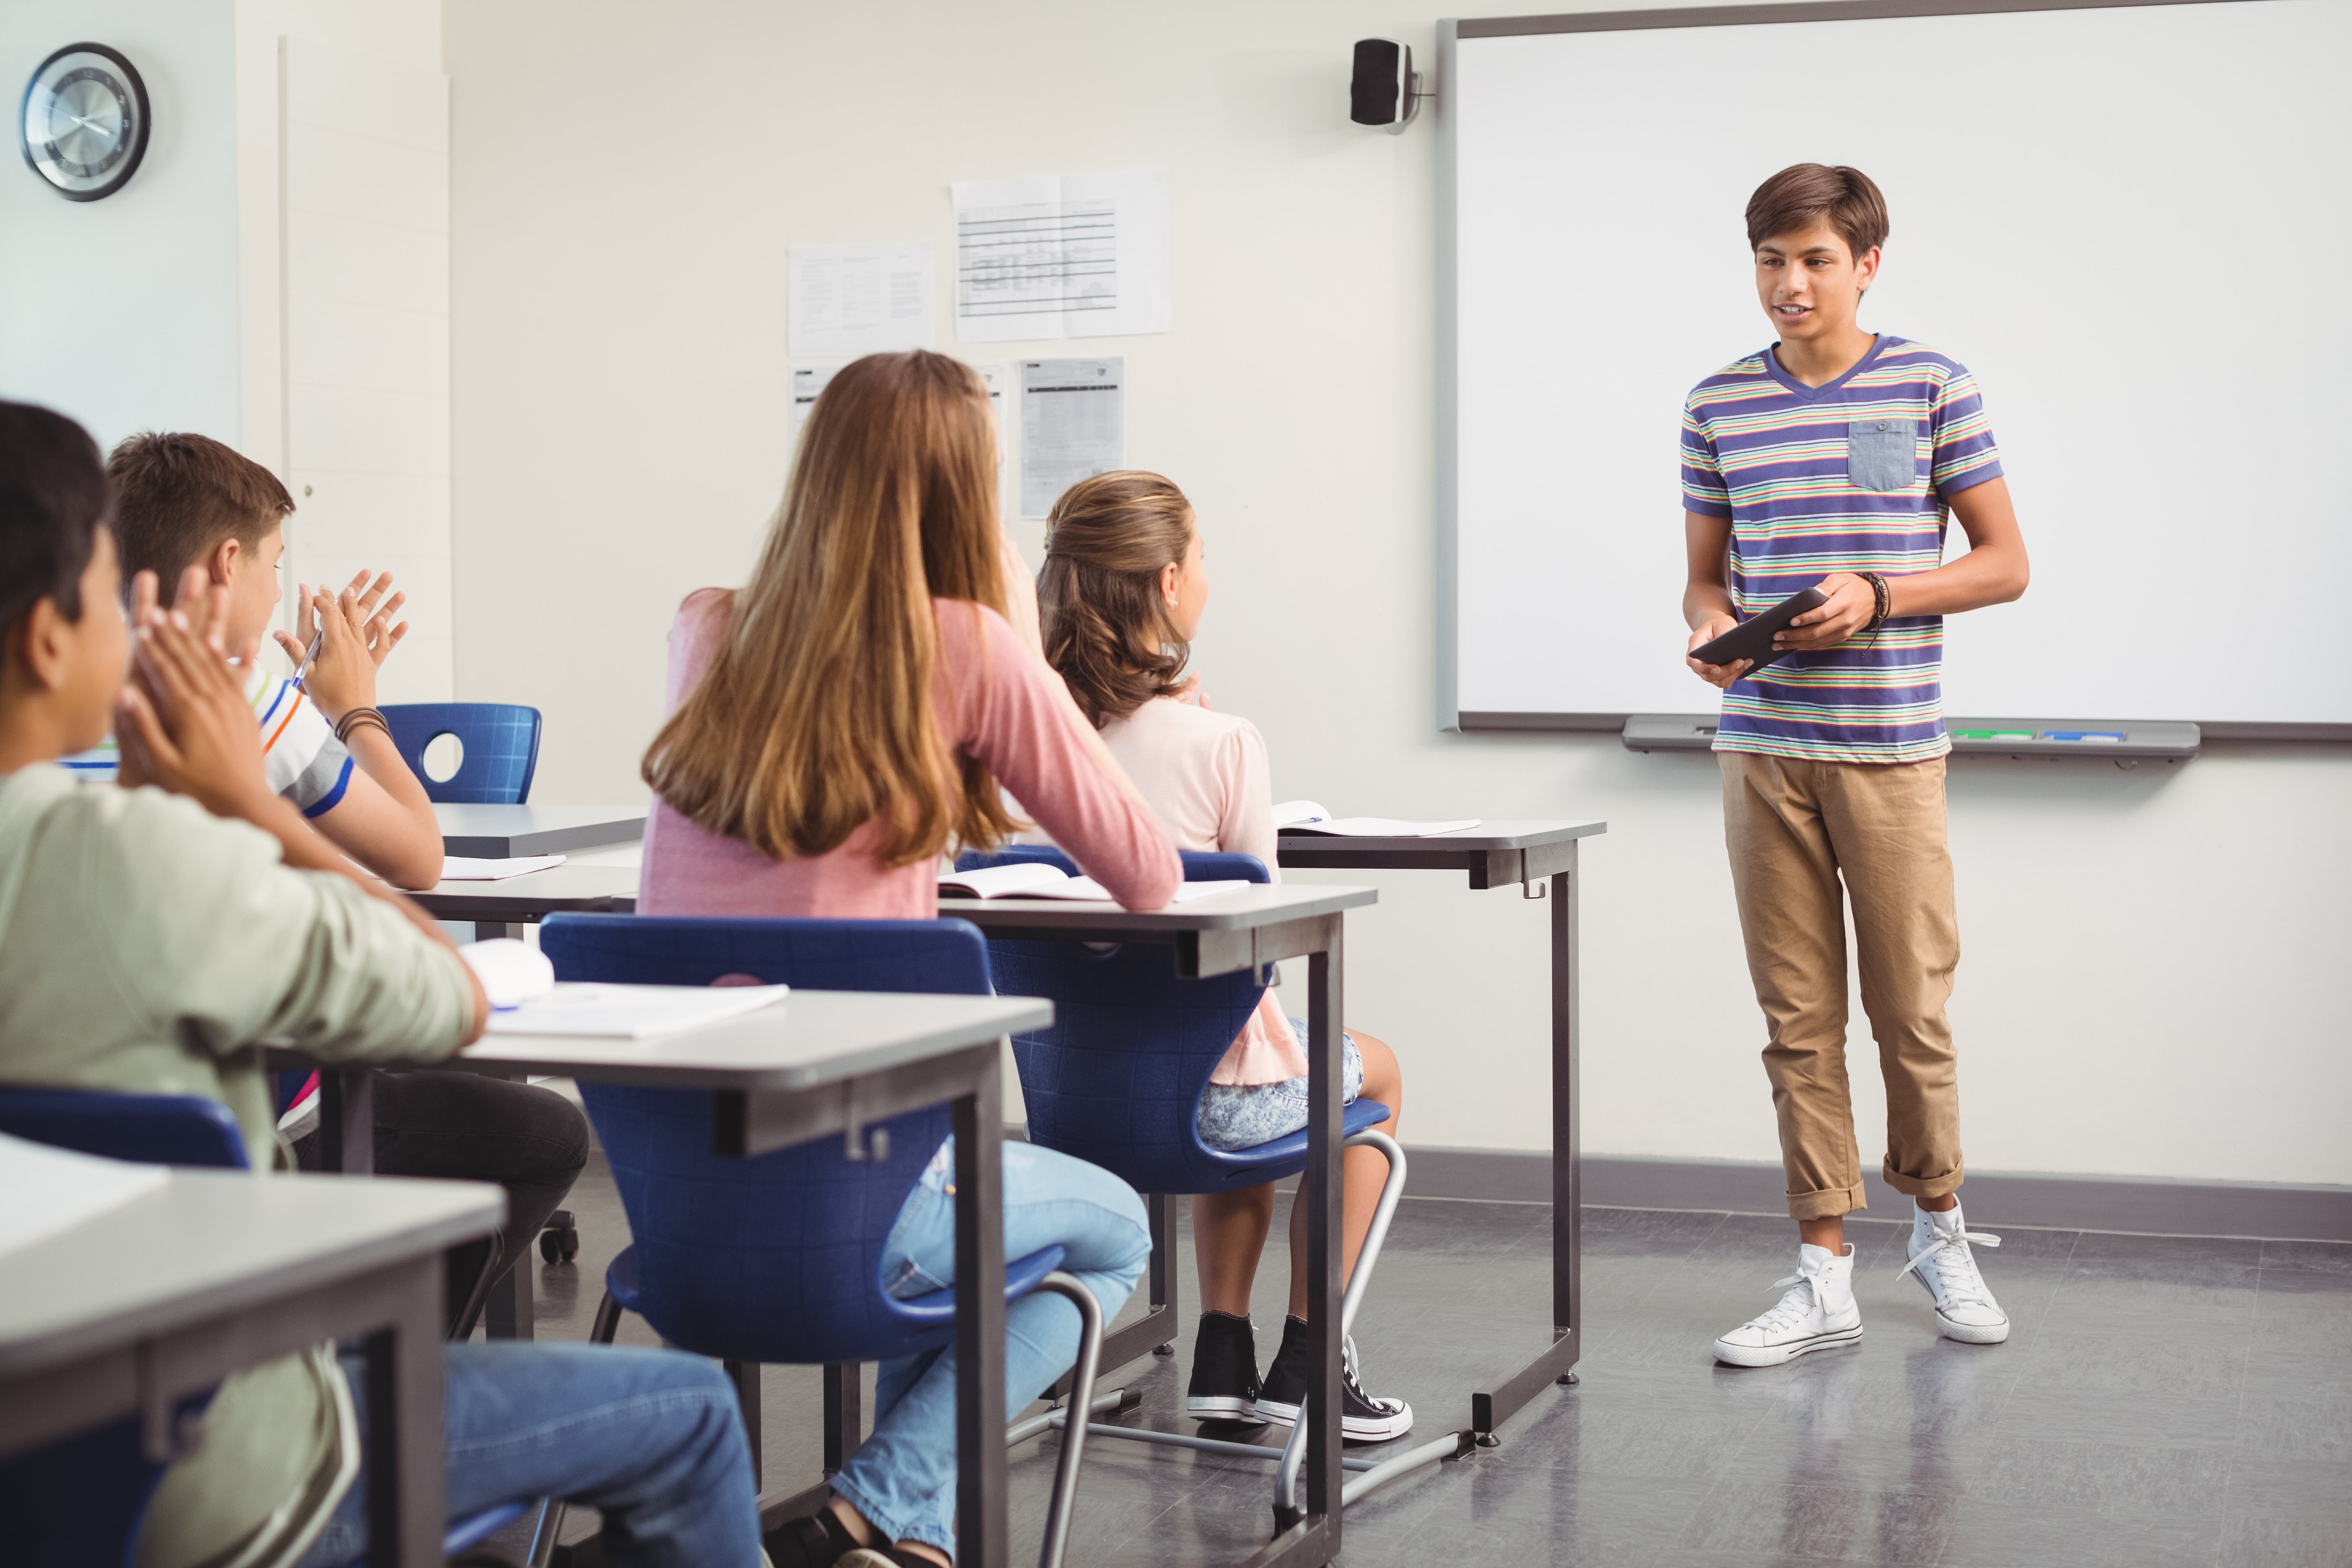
[151, 938]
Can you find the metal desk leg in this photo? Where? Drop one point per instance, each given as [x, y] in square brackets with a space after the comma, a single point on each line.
[347, 1120]
[1490, 1407]
[485, 931]
[1312, 1537]
[406, 1486]
[1567, 1128]
[981, 1537]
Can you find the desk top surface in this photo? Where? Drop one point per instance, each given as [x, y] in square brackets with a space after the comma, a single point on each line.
[557, 889]
[1242, 909]
[1331, 849]
[213, 1243]
[502, 832]
[806, 1041]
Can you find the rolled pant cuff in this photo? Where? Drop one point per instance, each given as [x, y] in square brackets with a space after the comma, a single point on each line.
[892, 1529]
[1924, 1186]
[1827, 1204]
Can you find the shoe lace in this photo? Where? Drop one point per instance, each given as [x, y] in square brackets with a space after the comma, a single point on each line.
[1349, 1375]
[1957, 1279]
[1793, 1305]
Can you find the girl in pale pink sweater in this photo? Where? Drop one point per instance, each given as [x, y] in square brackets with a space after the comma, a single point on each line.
[1121, 598]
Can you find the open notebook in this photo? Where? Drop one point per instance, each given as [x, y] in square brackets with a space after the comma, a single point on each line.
[1036, 879]
[1305, 817]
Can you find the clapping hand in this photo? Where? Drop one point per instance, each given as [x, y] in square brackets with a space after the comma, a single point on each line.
[355, 632]
[182, 720]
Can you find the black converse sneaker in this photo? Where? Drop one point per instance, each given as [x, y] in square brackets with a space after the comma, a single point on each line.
[1362, 1418]
[1225, 1370]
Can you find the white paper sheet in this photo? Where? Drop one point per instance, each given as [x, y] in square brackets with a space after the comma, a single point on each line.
[464, 868]
[1062, 256]
[853, 300]
[808, 380]
[1382, 827]
[50, 1191]
[1073, 426]
[631, 1012]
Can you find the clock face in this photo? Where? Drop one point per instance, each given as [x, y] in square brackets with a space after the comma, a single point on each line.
[84, 125]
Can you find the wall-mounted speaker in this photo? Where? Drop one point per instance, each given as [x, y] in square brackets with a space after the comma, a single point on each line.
[1385, 91]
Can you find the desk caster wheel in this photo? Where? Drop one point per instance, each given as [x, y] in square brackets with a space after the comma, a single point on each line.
[1169, 1349]
[1568, 1380]
[560, 1242]
[1488, 1440]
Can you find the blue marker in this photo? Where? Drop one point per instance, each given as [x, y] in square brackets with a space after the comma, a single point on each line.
[2080, 735]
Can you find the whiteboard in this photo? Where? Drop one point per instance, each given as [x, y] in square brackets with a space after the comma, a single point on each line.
[2130, 222]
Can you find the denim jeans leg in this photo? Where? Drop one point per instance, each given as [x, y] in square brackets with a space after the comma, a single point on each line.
[904, 1478]
[653, 1439]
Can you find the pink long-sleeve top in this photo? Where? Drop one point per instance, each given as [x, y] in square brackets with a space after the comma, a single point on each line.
[993, 700]
[1206, 776]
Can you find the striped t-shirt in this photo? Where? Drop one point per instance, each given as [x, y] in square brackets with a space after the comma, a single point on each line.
[300, 753]
[1853, 476]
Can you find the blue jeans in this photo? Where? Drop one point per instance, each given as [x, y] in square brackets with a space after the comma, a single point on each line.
[654, 1438]
[904, 1480]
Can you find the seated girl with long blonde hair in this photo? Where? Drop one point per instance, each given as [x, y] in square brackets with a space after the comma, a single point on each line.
[1121, 596]
[838, 723]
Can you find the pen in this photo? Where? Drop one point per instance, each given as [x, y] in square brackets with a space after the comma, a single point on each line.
[310, 654]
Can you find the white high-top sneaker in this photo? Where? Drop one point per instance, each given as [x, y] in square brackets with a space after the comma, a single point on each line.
[1818, 1312]
[1940, 1258]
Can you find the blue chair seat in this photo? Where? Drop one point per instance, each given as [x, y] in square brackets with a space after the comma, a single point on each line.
[500, 741]
[934, 1309]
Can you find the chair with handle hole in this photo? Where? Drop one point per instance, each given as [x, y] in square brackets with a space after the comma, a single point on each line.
[80, 1501]
[1117, 1080]
[500, 741]
[778, 1257]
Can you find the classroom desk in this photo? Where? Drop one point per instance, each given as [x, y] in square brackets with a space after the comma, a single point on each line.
[1498, 855]
[1218, 935]
[506, 832]
[135, 1309]
[824, 1063]
[504, 907]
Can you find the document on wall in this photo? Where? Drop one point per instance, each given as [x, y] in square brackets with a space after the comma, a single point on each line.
[808, 380]
[1073, 426]
[998, 377]
[1062, 256]
[853, 300]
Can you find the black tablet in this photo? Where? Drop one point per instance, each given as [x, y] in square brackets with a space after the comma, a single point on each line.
[1752, 638]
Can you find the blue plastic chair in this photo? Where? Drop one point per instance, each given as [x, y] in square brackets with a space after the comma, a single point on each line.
[502, 743]
[80, 1501]
[745, 1259]
[1117, 1080]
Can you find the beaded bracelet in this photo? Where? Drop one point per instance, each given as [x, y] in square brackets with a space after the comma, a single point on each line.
[358, 716]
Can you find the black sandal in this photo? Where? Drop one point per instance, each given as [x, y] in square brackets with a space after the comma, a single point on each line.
[815, 1540]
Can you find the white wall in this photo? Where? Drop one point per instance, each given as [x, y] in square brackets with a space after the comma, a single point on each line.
[2144, 989]
[123, 312]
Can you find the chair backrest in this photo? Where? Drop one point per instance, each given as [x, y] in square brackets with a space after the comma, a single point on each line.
[1116, 1079]
[160, 1129]
[80, 1501]
[747, 1258]
[500, 741]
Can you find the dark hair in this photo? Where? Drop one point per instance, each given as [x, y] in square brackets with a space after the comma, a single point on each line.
[1098, 598]
[1804, 193]
[177, 496]
[52, 503]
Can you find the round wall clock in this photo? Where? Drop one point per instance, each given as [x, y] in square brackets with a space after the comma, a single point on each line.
[84, 121]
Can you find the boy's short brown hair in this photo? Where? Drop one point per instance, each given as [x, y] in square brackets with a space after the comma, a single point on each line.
[1805, 194]
[177, 496]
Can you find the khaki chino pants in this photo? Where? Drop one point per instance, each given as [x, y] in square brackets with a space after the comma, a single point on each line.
[1802, 835]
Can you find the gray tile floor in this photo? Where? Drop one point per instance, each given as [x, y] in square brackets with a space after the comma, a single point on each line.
[2162, 1401]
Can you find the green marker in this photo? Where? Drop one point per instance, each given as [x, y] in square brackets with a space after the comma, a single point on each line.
[1992, 734]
